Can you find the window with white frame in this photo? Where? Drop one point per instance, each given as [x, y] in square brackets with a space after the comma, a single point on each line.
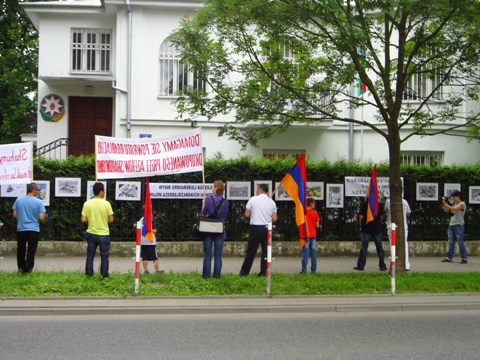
[425, 82]
[427, 158]
[273, 154]
[174, 75]
[91, 51]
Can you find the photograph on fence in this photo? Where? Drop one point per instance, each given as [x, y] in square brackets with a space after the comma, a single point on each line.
[448, 188]
[335, 196]
[474, 194]
[128, 190]
[427, 192]
[315, 190]
[281, 194]
[13, 190]
[90, 193]
[67, 187]
[44, 193]
[238, 190]
[258, 182]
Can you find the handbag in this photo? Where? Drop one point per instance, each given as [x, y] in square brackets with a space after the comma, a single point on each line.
[212, 224]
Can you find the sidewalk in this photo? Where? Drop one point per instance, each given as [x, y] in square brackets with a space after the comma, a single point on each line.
[289, 265]
[239, 304]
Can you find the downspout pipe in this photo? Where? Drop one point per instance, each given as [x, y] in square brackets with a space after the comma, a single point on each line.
[351, 127]
[129, 67]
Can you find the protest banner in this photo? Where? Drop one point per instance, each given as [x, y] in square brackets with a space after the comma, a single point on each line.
[120, 158]
[16, 163]
[356, 186]
[180, 191]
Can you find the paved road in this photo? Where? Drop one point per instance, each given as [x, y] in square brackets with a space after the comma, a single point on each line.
[290, 265]
[438, 335]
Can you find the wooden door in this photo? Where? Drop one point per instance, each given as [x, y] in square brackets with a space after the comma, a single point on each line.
[88, 116]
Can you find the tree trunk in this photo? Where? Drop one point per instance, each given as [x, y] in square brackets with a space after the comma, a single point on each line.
[396, 197]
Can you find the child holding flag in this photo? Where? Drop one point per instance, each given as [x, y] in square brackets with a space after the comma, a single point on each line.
[308, 237]
[148, 249]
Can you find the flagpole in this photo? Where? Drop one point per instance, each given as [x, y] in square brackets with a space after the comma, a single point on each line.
[203, 181]
[137, 256]
[269, 258]
[274, 191]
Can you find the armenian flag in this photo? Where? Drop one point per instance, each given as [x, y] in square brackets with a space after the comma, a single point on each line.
[295, 184]
[372, 194]
[147, 214]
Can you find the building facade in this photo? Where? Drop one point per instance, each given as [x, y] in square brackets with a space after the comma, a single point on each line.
[106, 68]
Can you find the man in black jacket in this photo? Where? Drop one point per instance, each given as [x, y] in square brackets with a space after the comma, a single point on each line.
[374, 230]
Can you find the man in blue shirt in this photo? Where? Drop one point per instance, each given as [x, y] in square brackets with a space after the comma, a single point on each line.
[28, 210]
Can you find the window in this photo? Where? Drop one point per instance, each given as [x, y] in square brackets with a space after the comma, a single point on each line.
[424, 82]
[174, 75]
[91, 51]
[273, 154]
[422, 158]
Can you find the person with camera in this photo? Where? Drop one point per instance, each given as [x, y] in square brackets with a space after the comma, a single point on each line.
[456, 229]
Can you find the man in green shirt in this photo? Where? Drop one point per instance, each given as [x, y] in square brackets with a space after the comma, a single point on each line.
[98, 213]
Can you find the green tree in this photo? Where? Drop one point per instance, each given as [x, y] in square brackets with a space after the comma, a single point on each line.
[286, 62]
[18, 70]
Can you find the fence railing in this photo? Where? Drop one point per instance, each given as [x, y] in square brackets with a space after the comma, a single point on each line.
[61, 148]
[175, 218]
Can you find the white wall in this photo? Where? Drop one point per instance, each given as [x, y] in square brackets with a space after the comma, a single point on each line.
[153, 115]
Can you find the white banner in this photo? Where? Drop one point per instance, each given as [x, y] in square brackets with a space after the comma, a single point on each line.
[120, 158]
[16, 163]
[357, 185]
[179, 191]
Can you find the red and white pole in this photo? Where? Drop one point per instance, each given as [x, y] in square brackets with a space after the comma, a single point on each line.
[137, 257]
[269, 258]
[393, 256]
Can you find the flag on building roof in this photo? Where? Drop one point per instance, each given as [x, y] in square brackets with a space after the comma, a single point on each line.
[372, 194]
[361, 86]
[147, 228]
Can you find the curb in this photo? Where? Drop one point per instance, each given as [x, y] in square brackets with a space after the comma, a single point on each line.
[241, 305]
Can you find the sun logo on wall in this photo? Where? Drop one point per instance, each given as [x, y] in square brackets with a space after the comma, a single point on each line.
[52, 108]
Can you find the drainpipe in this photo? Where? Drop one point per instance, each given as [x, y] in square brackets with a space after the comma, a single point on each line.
[129, 67]
[351, 127]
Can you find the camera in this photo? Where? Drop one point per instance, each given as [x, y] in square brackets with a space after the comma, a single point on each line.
[448, 200]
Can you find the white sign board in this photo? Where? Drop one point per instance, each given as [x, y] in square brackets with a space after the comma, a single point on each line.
[179, 191]
[120, 158]
[356, 186]
[16, 163]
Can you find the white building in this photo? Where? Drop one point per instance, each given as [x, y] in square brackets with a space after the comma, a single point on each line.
[112, 86]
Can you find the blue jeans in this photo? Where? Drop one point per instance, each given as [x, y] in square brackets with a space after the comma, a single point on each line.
[216, 241]
[310, 248]
[456, 232]
[377, 239]
[92, 242]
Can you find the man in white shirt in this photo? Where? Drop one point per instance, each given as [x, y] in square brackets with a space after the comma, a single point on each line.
[406, 214]
[261, 210]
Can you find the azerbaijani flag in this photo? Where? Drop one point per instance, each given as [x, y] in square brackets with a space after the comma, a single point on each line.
[372, 194]
[361, 86]
[147, 214]
[295, 184]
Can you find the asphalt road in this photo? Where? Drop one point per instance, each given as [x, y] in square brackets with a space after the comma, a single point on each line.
[435, 335]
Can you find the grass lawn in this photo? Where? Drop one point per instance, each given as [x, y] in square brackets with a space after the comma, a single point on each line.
[60, 284]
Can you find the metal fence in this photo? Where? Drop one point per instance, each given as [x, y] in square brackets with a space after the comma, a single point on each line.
[175, 218]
